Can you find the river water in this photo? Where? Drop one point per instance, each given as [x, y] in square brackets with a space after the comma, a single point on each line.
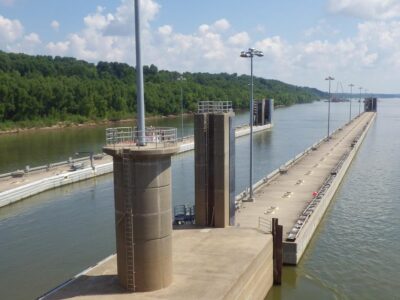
[50, 237]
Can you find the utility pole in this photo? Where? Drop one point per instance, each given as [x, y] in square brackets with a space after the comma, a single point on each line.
[351, 95]
[181, 79]
[329, 78]
[250, 54]
[141, 126]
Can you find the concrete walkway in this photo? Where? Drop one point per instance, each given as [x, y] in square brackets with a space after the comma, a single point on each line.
[208, 264]
[288, 194]
[11, 183]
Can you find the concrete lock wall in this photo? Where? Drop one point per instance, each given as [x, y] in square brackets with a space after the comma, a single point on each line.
[293, 251]
[263, 112]
[200, 161]
[370, 104]
[143, 220]
[219, 168]
[214, 179]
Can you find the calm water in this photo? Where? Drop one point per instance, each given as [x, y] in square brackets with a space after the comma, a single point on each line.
[355, 253]
[50, 237]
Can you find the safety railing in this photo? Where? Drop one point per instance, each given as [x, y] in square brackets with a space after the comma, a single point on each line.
[185, 139]
[29, 170]
[317, 198]
[264, 225]
[154, 137]
[214, 107]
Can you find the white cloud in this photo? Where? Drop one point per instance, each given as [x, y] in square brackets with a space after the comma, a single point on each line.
[33, 39]
[10, 31]
[107, 36]
[221, 25]
[241, 39]
[165, 30]
[368, 9]
[273, 47]
[121, 22]
[322, 29]
[12, 37]
[97, 20]
[55, 25]
[60, 48]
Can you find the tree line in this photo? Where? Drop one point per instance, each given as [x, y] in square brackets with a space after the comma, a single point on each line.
[63, 88]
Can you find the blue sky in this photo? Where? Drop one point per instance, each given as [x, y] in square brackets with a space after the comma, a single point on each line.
[356, 41]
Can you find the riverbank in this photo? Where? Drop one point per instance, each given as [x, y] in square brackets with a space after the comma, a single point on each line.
[27, 126]
[42, 125]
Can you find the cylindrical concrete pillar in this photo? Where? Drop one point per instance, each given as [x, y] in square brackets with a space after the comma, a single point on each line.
[143, 217]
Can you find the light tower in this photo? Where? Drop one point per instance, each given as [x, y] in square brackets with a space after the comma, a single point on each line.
[329, 78]
[250, 54]
[351, 95]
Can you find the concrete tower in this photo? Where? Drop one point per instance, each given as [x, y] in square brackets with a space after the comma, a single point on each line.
[143, 214]
[370, 104]
[214, 139]
[263, 111]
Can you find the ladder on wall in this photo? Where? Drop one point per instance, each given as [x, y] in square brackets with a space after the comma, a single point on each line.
[129, 243]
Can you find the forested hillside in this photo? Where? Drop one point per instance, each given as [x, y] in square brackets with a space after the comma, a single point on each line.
[43, 89]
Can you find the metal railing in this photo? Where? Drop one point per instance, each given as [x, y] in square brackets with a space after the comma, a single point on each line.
[214, 107]
[184, 214]
[264, 225]
[152, 137]
[185, 139]
[311, 207]
[29, 170]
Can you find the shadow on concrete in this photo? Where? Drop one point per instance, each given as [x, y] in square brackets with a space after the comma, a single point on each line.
[187, 226]
[88, 286]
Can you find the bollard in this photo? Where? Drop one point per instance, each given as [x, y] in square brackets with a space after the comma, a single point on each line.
[277, 254]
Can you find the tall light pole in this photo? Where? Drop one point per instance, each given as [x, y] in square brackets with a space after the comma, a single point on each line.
[141, 126]
[329, 78]
[359, 102]
[181, 79]
[250, 54]
[351, 96]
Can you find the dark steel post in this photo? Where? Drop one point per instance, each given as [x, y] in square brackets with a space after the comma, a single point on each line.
[277, 254]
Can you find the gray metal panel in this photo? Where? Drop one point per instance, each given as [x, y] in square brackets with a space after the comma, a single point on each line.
[211, 172]
[231, 172]
[270, 110]
[201, 128]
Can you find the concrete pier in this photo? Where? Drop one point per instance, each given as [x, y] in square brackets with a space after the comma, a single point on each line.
[210, 263]
[236, 262]
[143, 216]
[214, 169]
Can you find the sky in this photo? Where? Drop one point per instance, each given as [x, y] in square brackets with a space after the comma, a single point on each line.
[355, 41]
